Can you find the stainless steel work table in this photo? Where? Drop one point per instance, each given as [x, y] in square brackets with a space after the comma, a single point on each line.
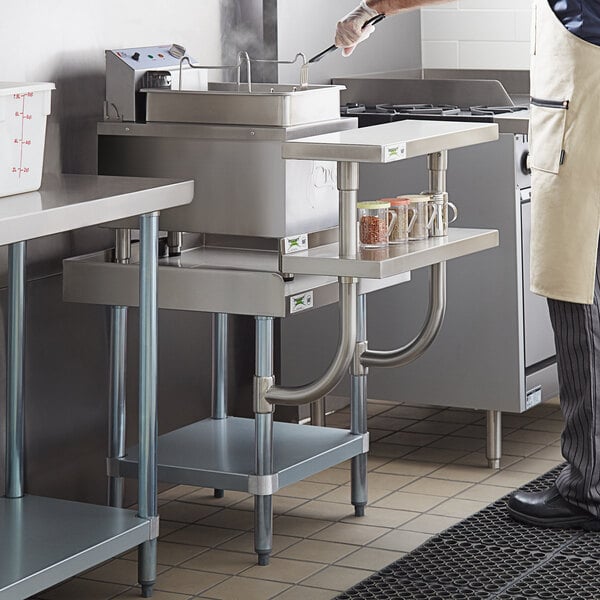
[261, 456]
[42, 540]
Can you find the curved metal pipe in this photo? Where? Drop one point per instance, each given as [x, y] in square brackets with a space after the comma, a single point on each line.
[297, 396]
[435, 317]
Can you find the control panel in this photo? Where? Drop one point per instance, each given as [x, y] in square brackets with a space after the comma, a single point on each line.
[129, 70]
[150, 57]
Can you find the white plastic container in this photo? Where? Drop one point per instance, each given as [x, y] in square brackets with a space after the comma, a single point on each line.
[24, 108]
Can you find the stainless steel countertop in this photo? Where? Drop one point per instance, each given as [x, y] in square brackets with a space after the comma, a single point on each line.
[390, 142]
[67, 202]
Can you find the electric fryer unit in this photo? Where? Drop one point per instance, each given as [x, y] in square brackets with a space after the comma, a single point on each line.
[228, 137]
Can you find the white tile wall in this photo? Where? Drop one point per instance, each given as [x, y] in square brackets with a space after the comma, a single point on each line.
[476, 34]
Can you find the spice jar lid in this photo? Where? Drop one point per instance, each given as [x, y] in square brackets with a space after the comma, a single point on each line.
[373, 204]
[400, 202]
[415, 197]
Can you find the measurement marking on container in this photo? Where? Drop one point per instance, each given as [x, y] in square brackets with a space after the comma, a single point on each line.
[22, 141]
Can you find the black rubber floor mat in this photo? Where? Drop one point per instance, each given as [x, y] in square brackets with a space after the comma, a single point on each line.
[490, 556]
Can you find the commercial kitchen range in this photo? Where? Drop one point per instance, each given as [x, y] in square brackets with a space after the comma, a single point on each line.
[274, 218]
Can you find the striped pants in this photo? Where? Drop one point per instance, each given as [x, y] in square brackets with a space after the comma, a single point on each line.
[577, 336]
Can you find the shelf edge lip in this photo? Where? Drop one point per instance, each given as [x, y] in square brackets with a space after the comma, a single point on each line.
[302, 262]
[94, 554]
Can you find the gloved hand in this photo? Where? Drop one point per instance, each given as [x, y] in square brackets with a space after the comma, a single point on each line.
[350, 30]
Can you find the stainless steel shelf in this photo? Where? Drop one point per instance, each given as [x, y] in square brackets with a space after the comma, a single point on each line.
[67, 202]
[205, 279]
[45, 541]
[387, 262]
[390, 142]
[220, 454]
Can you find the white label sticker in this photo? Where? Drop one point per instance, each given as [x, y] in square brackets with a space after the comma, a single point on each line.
[296, 243]
[301, 302]
[534, 397]
[395, 152]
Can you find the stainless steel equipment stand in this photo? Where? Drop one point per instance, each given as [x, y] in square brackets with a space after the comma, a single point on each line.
[217, 452]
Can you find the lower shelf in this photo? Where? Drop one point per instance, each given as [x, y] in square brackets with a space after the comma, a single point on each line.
[220, 453]
[45, 541]
[376, 263]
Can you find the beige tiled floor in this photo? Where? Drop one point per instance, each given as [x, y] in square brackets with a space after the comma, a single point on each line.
[427, 471]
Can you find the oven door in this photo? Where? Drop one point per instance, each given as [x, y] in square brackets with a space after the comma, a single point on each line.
[539, 337]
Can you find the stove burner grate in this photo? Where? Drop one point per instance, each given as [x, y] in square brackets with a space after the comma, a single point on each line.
[352, 108]
[495, 110]
[418, 109]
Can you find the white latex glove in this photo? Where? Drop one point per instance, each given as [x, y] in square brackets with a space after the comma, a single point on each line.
[350, 30]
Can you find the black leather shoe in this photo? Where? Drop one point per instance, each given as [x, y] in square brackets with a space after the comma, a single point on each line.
[550, 509]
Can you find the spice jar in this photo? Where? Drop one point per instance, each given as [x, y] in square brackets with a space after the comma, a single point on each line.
[373, 224]
[418, 205]
[404, 221]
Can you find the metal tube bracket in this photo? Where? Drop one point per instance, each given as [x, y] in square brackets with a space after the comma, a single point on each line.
[433, 322]
[357, 369]
[113, 468]
[260, 388]
[154, 527]
[341, 362]
[263, 485]
[365, 440]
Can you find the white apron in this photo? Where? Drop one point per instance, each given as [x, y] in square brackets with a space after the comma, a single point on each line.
[564, 158]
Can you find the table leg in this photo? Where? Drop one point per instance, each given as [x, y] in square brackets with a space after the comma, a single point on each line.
[14, 372]
[219, 372]
[117, 405]
[147, 475]
[263, 504]
[118, 377]
[494, 438]
[358, 411]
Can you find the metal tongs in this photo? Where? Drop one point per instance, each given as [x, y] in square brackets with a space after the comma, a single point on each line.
[373, 21]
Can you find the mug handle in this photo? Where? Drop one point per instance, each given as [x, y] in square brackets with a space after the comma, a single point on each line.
[392, 221]
[432, 216]
[455, 210]
[412, 220]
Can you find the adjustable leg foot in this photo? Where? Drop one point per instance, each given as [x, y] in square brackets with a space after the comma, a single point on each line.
[264, 558]
[494, 438]
[493, 463]
[359, 510]
[147, 589]
[219, 493]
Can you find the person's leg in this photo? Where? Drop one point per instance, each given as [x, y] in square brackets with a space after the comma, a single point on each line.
[574, 500]
[577, 337]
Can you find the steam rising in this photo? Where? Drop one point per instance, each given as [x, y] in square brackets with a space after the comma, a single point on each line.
[251, 26]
